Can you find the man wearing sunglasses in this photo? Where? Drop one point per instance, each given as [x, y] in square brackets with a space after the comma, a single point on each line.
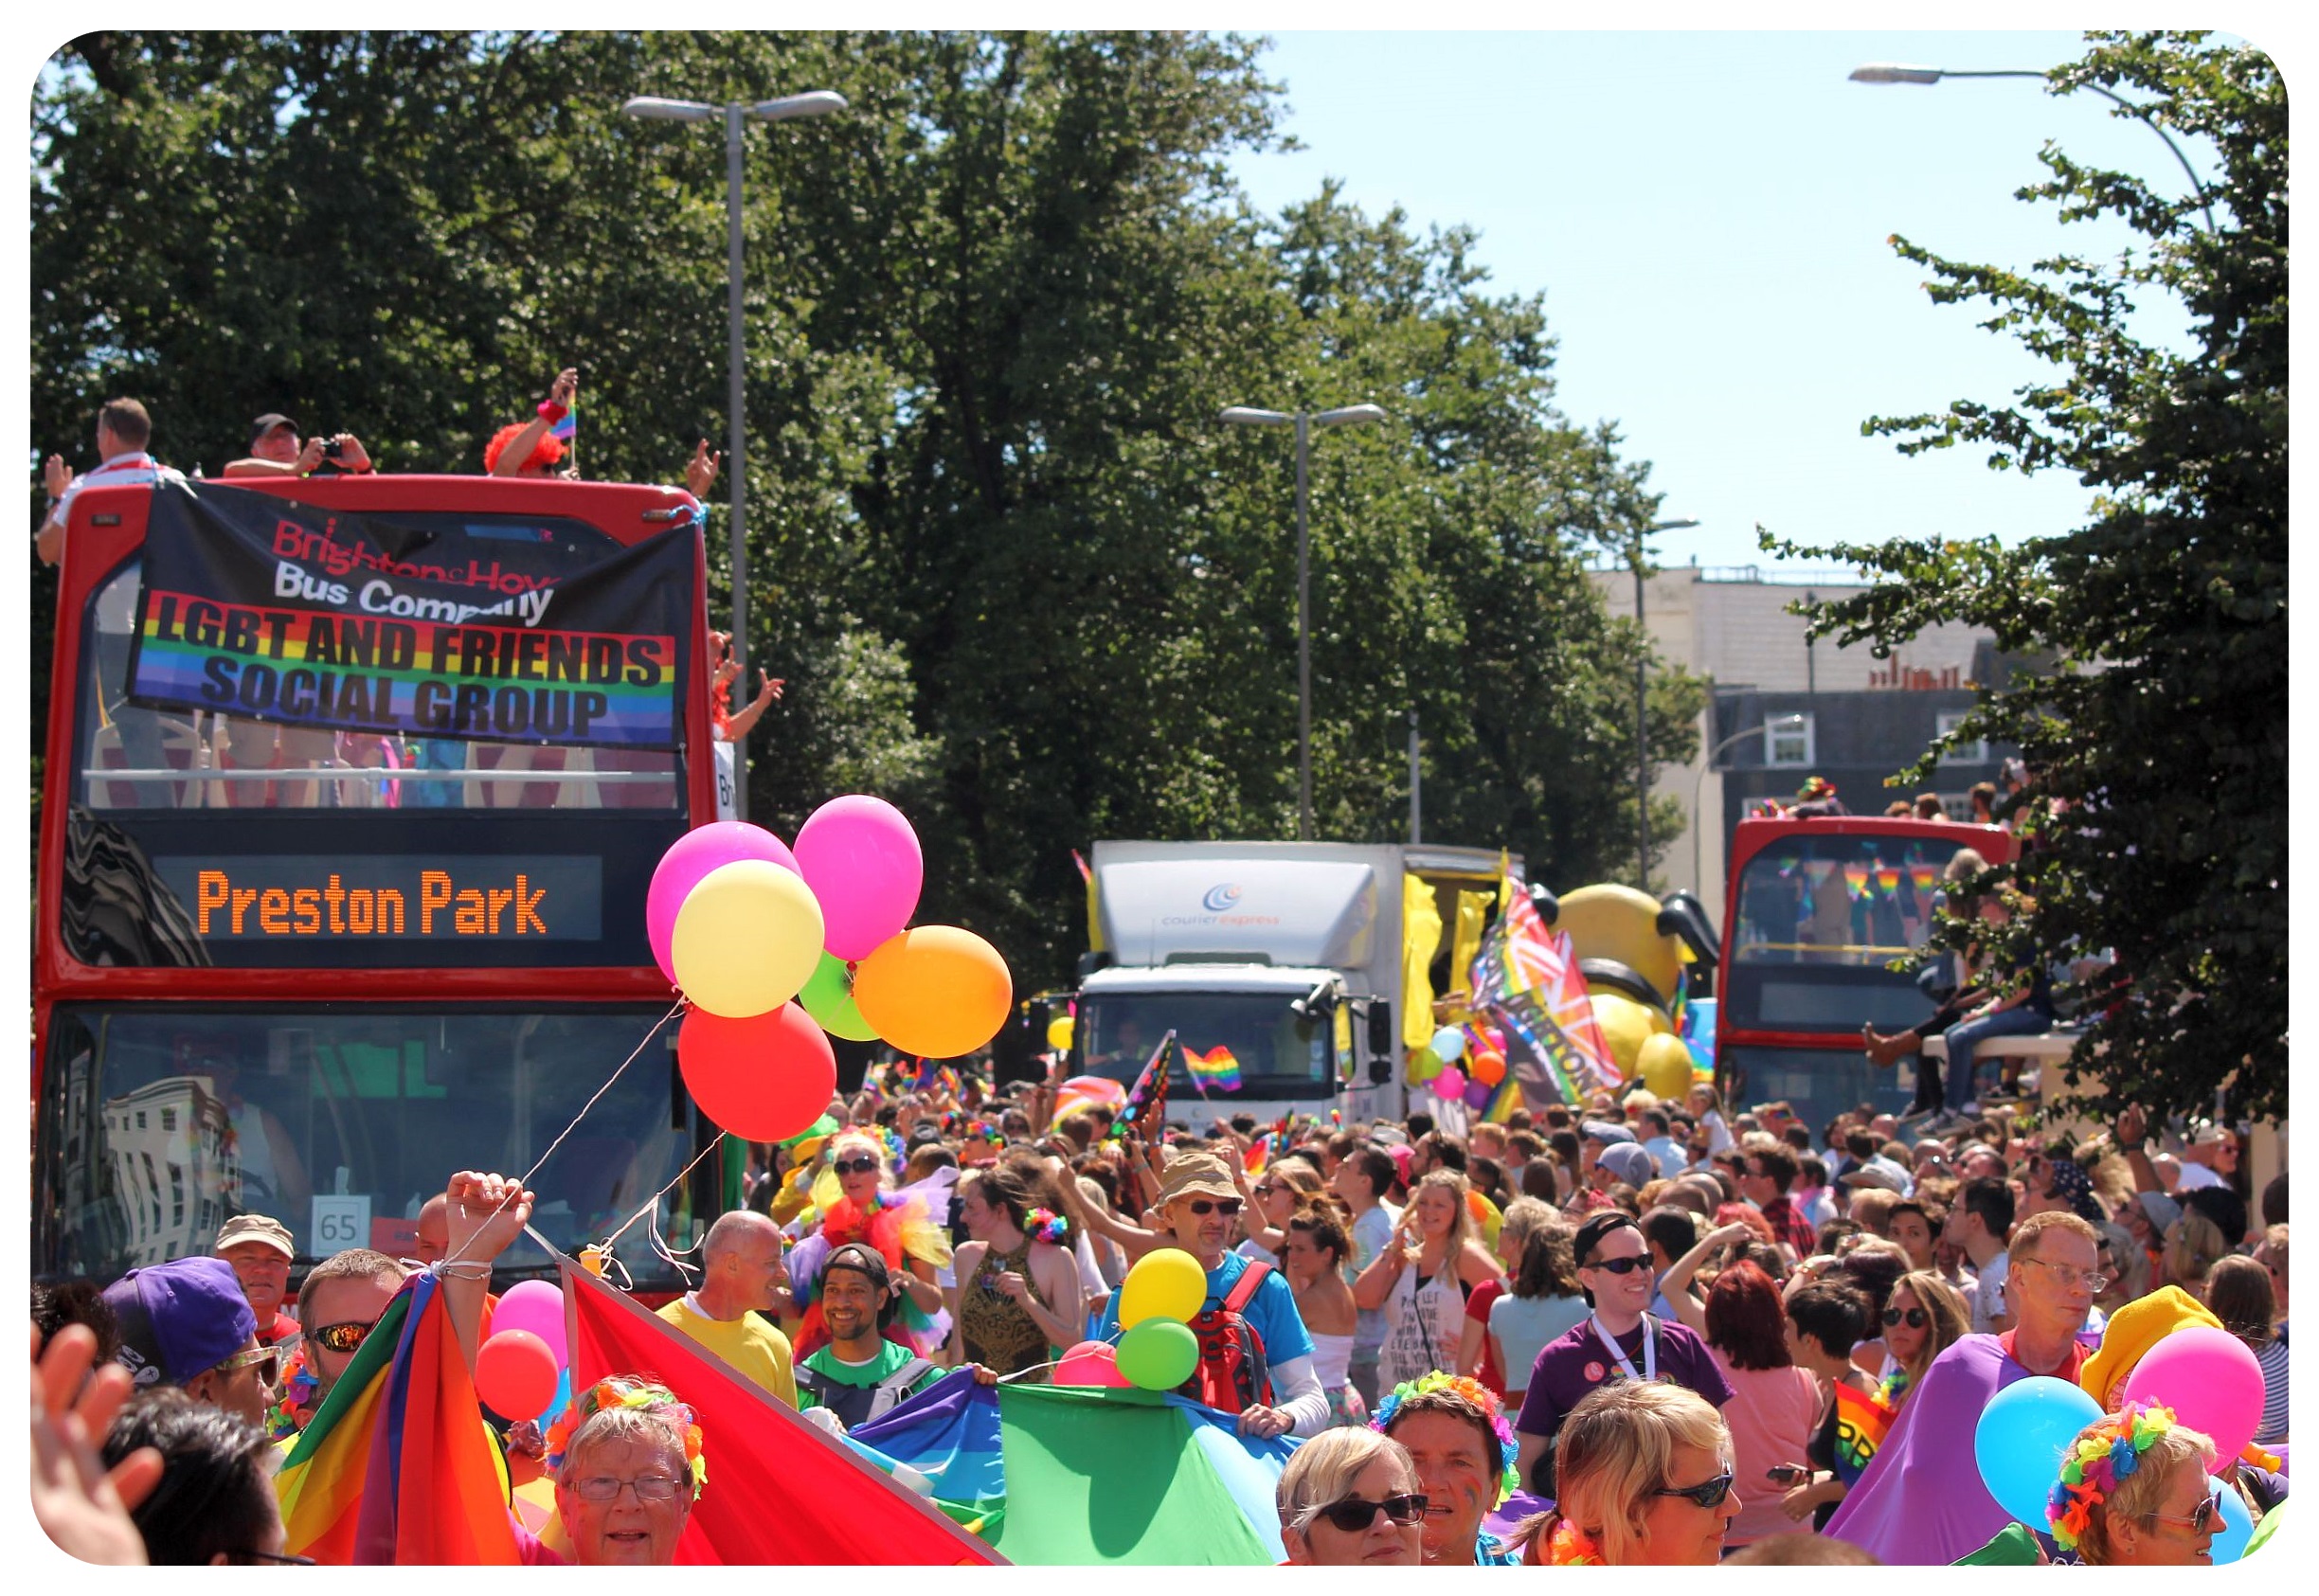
[1619, 1340]
[187, 1323]
[342, 1298]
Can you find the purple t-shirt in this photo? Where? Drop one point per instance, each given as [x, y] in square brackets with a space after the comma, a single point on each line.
[1576, 1362]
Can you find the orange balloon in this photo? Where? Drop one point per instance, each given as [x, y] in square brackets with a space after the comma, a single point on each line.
[1486, 1067]
[934, 991]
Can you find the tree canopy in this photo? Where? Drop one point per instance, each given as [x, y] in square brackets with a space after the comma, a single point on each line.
[1016, 575]
[2155, 820]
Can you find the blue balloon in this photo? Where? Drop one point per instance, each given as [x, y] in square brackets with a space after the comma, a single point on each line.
[2021, 1438]
[2230, 1541]
[1449, 1044]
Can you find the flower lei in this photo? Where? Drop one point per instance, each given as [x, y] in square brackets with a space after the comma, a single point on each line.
[1570, 1547]
[1472, 1391]
[1045, 1225]
[624, 1391]
[2097, 1462]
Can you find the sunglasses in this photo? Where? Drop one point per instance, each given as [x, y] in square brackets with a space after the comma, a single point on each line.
[1355, 1513]
[1708, 1493]
[268, 1359]
[1917, 1318]
[1225, 1206]
[341, 1338]
[2201, 1517]
[861, 1165]
[1619, 1265]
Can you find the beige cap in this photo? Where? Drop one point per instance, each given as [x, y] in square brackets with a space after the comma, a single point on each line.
[256, 1228]
[1195, 1175]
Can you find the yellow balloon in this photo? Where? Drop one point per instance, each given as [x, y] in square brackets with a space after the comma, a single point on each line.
[1666, 1067]
[1059, 1033]
[747, 939]
[1168, 1283]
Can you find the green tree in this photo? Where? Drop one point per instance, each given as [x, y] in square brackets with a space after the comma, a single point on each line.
[2157, 820]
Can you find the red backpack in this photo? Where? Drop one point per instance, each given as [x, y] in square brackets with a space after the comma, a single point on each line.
[1233, 1374]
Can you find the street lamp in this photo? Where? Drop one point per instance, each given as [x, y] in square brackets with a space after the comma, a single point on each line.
[651, 108]
[1895, 72]
[1642, 741]
[1305, 420]
[1780, 723]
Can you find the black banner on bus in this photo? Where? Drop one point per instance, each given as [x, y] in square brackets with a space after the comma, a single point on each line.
[263, 607]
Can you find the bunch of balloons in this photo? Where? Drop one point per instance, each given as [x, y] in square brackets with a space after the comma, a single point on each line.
[1481, 1052]
[778, 949]
[1156, 1351]
[523, 1369]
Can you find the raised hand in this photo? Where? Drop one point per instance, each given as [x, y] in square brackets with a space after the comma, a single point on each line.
[486, 1213]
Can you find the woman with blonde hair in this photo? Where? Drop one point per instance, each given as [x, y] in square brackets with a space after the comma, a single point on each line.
[1349, 1498]
[1478, 1354]
[1924, 1317]
[1422, 1283]
[854, 1200]
[1644, 1477]
[2156, 1511]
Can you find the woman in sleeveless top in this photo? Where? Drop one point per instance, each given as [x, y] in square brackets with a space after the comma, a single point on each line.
[1421, 1282]
[1009, 1278]
[1313, 1259]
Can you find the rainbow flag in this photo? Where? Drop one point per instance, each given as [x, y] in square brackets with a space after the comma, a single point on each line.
[1527, 978]
[1215, 1067]
[1863, 1420]
[398, 1467]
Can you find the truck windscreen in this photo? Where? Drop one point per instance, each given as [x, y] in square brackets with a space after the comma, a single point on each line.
[1232, 1046]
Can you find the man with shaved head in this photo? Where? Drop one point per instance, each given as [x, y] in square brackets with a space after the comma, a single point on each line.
[742, 1267]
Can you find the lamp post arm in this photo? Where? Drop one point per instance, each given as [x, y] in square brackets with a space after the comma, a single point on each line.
[2142, 114]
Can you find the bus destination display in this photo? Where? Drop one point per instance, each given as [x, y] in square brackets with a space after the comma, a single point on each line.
[468, 898]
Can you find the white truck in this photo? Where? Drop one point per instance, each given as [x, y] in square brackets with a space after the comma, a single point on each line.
[1287, 956]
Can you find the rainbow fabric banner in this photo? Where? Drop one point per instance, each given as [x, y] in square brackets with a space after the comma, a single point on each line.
[1527, 978]
[1863, 1420]
[265, 608]
[1215, 1067]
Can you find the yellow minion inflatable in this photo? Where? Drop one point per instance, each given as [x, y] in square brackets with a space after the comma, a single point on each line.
[1631, 949]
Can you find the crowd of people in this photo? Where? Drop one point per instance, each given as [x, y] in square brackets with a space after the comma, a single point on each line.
[1632, 1331]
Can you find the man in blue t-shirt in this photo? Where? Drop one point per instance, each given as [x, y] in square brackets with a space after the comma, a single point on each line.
[1201, 1207]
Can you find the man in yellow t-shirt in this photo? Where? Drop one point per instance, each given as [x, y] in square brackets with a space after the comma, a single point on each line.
[741, 1267]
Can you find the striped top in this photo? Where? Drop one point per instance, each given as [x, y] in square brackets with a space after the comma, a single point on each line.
[2272, 1356]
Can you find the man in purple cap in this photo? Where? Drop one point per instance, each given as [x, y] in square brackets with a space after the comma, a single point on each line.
[187, 1323]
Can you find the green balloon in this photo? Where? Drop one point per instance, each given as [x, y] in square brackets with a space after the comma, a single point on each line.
[828, 997]
[1159, 1354]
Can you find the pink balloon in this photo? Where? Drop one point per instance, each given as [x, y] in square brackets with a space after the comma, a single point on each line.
[1449, 1083]
[536, 1306]
[1090, 1363]
[2211, 1381]
[862, 861]
[692, 856]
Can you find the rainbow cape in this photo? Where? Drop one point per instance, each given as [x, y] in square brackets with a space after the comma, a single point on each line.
[397, 1466]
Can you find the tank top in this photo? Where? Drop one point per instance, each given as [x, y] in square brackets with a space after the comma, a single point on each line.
[1425, 1323]
[998, 1331]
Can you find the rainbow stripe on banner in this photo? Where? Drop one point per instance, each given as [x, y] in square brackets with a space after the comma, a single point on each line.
[1215, 1067]
[428, 678]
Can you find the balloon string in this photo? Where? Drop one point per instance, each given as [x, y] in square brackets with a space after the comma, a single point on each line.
[524, 1182]
[653, 1203]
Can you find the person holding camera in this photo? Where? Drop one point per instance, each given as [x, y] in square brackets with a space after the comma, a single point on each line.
[275, 449]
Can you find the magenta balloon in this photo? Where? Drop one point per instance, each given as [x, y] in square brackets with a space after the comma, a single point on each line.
[1090, 1363]
[862, 861]
[2211, 1381]
[536, 1306]
[692, 856]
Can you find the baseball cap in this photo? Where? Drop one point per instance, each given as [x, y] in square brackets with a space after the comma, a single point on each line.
[1630, 1163]
[865, 1260]
[179, 1318]
[1590, 1235]
[1878, 1171]
[2163, 1210]
[1604, 1131]
[267, 422]
[256, 1227]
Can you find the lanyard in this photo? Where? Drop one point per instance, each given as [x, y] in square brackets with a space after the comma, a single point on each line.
[1650, 1349]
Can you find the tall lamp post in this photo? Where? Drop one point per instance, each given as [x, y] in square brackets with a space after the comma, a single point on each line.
[1698, 784]
[1305, 420]
[1895, 72]
[737, 118]
[1641, 735]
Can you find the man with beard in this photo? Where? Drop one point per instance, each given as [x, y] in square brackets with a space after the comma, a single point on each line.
[859, 1375]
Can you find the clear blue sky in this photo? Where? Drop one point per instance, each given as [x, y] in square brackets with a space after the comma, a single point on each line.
[1706, 215]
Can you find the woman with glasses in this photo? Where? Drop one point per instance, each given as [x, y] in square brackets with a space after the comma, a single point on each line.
[1922, 1318]
[1422, 1283]
[2156, 1511]
[1280, 1191]
[628, 1467]
[1645, 1480]
[854, 1201]
[1349, 1498]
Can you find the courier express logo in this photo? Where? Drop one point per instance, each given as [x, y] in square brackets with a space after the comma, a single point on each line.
[1219, 901]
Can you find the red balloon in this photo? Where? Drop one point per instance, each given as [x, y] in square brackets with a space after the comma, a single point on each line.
[515, 1374]
[763, 1078]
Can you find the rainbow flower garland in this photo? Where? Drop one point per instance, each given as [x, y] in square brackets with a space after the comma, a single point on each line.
[1570, 1547]
[623, 1391]
[1472, 1391]
[1045, 1225]
[2096, 1465]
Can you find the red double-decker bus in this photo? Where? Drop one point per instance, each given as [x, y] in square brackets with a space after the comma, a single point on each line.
[1817, 913]
[321, 922]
